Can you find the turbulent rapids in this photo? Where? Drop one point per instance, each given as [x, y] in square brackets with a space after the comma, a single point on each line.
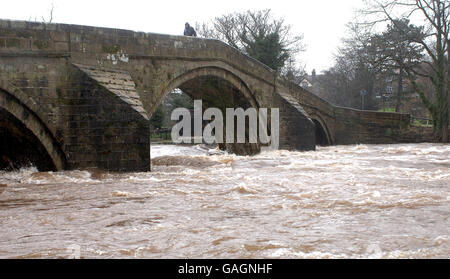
[364, 201]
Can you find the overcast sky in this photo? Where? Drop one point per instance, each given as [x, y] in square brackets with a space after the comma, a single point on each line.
[322, 22]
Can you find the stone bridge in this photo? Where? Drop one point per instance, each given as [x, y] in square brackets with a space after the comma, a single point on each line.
[81, 97]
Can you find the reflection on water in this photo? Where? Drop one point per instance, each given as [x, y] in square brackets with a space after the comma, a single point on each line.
[365, 201]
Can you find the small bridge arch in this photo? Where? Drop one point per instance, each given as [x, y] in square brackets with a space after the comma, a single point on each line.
[323, 135]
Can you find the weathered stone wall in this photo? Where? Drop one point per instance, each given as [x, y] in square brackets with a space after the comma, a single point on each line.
[102, 130]
[32, 81]
[350, 126]
[418, 134]
[369, 127]
[159, 63]
[90, 125]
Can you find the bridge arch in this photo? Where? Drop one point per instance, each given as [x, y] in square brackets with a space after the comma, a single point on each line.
[216, 87]
[25, 136]
[204, 72]
[323, 135]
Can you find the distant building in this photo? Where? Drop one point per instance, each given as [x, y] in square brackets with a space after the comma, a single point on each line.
[309, 80]
[306, 83]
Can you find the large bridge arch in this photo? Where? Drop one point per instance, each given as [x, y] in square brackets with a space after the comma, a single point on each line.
[203, 72]
[18, 122]
[216, 87]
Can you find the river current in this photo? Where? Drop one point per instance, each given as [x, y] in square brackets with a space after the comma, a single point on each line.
[360, 201]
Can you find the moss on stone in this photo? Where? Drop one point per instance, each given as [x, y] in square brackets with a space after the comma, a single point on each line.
[12, 43]
[111, 49]
[40, 44]
[388, 132]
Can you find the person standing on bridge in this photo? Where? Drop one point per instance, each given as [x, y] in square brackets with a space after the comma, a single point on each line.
[189, 30]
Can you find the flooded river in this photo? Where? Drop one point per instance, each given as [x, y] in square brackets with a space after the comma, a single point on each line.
[364, 201]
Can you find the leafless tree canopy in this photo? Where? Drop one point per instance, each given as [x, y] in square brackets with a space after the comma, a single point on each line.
[434, 40]
[257, 34]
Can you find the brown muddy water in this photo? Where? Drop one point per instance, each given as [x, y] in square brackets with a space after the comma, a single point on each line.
[365, 201]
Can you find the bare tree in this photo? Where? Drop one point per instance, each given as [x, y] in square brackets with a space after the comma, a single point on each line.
[50, 20]
[435, 42]
[293, 71]
[50, 16]
[354, 70]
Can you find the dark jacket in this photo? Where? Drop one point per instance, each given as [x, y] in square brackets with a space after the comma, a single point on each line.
[190, 32]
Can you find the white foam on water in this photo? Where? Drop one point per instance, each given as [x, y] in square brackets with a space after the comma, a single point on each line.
[332, 203]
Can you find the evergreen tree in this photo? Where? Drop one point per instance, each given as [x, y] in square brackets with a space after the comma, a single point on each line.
[157, 118]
